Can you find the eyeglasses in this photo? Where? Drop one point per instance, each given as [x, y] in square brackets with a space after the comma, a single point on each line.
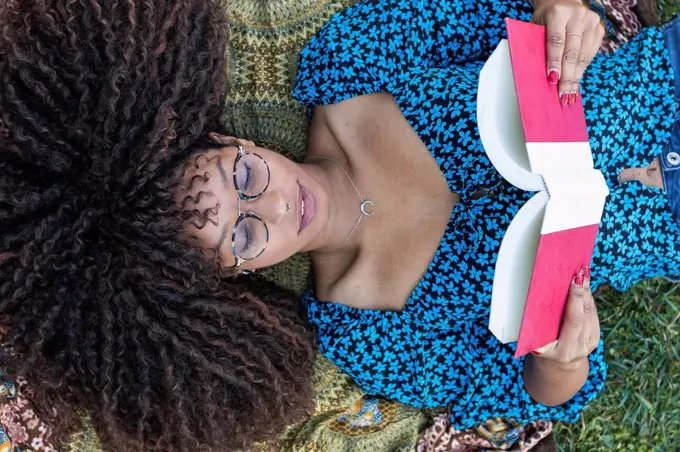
[251, 179]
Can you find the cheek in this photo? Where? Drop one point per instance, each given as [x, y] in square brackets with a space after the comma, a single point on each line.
[276, 251]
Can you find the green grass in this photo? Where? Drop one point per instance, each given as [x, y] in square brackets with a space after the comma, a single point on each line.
[639, 409]
[667, 9]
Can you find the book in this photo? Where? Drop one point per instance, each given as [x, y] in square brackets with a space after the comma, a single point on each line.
[538, 145]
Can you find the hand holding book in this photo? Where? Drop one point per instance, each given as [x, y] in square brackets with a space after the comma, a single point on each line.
[538, 145]
[580, 331]
[558, 371]
[573, 36]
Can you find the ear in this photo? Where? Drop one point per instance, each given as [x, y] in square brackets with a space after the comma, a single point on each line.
[223, 139]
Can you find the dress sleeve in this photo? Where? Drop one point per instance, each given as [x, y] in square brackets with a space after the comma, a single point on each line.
[369, 46]
[496, 383]
[416, 360]
[571, 410]
[380, 350]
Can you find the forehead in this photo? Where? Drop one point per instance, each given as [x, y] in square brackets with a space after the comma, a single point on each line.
[206, 169]
[208, 204]
[204, 181]
[209, 160]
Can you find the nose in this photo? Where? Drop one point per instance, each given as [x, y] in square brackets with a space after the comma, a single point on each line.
[271, 207]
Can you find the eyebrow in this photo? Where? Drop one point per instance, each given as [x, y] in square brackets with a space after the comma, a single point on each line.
[223, 234]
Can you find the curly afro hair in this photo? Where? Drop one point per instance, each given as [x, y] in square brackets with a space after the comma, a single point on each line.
[106, 308]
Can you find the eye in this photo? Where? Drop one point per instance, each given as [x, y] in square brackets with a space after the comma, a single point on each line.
[244, 176]
[250, 238]
[243, 240]
[247, 243]
[249, 176]
[252, 175]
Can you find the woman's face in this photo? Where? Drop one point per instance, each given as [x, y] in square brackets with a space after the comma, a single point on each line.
[281, 221]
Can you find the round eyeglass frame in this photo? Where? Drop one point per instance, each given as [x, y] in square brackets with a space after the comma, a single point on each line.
[242, 216]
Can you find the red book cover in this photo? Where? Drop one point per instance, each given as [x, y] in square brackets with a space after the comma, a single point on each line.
[560, 256]
[544, 118]
[552, 131]
[538, 145]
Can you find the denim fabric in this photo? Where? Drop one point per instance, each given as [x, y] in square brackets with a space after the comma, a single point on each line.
[670, 157]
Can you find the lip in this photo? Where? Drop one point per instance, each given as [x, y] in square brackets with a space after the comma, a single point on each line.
[299, 208]
[310, 207]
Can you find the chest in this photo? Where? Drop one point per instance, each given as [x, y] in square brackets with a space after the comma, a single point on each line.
[395, 170]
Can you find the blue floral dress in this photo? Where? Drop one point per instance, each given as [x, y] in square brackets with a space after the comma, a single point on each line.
[438, 351]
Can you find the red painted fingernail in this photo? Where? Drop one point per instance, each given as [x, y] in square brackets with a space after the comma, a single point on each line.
[578, 279]
[586, 273]
[536, 353]
[565, 98]
[572, 98]
[554, 76]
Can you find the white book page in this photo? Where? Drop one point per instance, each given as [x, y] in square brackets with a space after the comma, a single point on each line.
[577, 199]
[499, 122]
[550, 157]
[514, 267]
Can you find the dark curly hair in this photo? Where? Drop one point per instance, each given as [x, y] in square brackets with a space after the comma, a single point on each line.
[106, 309]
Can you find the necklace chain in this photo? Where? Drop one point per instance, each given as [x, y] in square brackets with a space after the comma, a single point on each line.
[364, 202]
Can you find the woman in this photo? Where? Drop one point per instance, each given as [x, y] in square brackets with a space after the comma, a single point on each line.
[404, 214]
[105, 310]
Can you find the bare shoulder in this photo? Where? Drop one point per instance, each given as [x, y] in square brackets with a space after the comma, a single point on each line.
[357, 104]
[358, 112]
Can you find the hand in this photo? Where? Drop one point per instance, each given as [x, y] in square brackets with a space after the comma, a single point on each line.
[574, 34]
[580, 332]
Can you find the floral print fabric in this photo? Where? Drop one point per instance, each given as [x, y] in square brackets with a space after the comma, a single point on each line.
[494, 435]
[21, 429]
[438, 352]
[621, 14]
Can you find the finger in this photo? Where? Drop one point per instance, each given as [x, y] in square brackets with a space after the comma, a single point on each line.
[585, 56]
[595, 335]
[591, 321]
[572, 49]
[573, 321]
[555, 39]
[592, 317]
[545, 349]
[592, 40]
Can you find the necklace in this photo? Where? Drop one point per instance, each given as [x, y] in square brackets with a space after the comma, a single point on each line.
[367, 206]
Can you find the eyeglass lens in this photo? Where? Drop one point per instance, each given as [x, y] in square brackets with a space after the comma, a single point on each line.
[251, 175]
[250, 237]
